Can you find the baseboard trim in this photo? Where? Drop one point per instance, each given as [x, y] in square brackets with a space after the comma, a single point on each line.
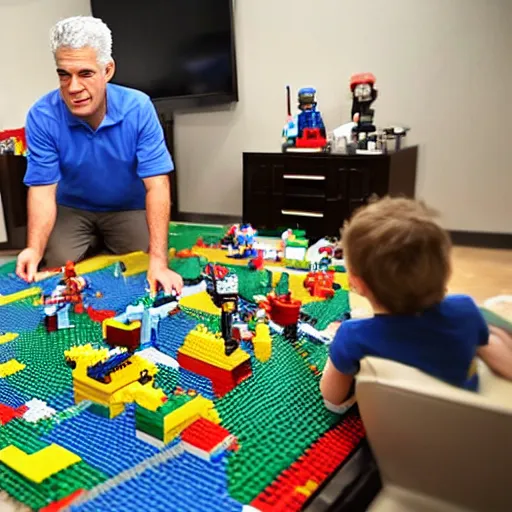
[482, 239]
[207, 218]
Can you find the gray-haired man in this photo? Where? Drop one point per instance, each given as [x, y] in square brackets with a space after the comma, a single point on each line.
[98, 165]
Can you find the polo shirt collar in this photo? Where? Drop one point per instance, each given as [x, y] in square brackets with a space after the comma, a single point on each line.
[112, 117]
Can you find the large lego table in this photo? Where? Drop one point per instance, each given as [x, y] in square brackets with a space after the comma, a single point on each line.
[185, 441]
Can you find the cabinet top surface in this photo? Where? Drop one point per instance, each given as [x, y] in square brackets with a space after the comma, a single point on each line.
[292, 154]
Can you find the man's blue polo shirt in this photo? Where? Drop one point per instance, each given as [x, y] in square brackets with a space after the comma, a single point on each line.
[97, 170]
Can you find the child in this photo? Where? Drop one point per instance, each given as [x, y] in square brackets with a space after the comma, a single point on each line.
[398, 257]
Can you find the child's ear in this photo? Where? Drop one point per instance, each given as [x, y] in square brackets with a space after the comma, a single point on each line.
[357, 285]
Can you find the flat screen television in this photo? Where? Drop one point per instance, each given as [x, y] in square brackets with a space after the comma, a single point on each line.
[179, 52]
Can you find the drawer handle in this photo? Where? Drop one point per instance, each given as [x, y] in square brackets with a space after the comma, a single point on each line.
[302, 213]
[307, 177]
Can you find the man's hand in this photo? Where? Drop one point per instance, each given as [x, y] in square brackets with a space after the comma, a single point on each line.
[26, 265]
[159, 276]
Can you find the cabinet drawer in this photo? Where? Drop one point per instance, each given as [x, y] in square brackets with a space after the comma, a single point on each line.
[308, 204]
[316, 182]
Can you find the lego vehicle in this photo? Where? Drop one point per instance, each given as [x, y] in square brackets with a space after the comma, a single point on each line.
[104, 383]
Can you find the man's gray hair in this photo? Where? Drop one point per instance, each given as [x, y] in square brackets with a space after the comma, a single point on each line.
[80, 32]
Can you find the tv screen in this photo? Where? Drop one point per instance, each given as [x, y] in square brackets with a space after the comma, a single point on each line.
[182, 51]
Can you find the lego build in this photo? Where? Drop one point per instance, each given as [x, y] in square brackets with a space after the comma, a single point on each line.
[111, 398]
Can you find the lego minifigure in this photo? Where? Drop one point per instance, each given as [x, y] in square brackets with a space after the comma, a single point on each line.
[363, 94]
[242, 241]
[307, 129]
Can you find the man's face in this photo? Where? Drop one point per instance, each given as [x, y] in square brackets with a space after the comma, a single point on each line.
[82, 80]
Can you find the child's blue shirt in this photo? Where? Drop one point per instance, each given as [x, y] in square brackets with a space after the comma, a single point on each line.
[442, 341]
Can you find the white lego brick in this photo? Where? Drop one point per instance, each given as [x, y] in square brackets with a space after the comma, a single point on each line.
[37, 410]
[149, 439]
[154, 356]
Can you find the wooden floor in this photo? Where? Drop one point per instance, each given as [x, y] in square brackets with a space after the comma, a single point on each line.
[480, 273]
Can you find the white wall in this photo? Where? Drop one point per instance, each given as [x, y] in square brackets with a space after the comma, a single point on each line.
[27, 71]
[442, 67]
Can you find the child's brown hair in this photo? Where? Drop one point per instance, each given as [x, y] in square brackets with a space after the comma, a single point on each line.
[395, 246]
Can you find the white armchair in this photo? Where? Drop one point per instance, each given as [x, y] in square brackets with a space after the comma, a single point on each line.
[438, 448]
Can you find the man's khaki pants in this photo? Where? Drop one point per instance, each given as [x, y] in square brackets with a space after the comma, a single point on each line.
[79, 234]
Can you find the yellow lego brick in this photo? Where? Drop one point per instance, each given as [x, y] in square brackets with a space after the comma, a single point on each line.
[262, 342]
[209, 414]
[86, 354]
[219, 256]
[145, 395]
[209, 348]
[181, 418]
[201, 302]
[296, 285]
[15, 297]
[10, 368]
[308, 489]
[8, 336]
[38, 466]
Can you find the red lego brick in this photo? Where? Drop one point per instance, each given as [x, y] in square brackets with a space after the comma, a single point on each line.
[318, 462]
[63, 503]
[9, 413]
[98, 315]
[242, 372]
[223, 381]
[51, 323]
[205, 435]
[120, 338]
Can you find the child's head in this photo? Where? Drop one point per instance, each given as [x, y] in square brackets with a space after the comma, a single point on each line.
[397, 255]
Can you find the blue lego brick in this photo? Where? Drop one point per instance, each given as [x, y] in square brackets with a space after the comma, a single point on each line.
[117, 291]
[246, 346]
[102, 369]
[109, 445]
[20, 317]
[10, 396]
[61, 402]
[172, 331]
[11, 283]
[7, 351]
[203, 385]
[188, 484]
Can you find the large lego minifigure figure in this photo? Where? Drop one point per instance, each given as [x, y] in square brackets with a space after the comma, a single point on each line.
[309, 117]
[307, 130]
[364, 94]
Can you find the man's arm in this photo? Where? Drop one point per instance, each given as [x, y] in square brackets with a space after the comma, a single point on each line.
[42, 212]
[158, 207]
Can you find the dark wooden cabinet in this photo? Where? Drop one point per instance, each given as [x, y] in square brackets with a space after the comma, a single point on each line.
[14, 200]
[316, 191]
